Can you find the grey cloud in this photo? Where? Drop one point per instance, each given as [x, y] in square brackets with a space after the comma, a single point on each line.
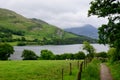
[62, 13]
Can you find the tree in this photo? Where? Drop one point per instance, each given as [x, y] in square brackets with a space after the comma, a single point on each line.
[89, 48]
[47, 55]
[67, 56]
[29, 55]
[58, 57]
[108, 33]
[23, 39]
[5, 51]
[79, 55]
[21, 43]
[101, 54]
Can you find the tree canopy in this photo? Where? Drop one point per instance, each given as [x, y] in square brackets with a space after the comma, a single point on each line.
[5, 51]
[79, 55]
[47, 55]
[89, 48]
[108, 33]
[29, 55]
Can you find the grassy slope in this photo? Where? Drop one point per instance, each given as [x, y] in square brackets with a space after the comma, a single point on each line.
[36, 70]
[115, 70]
[11, 20]
[33, 28]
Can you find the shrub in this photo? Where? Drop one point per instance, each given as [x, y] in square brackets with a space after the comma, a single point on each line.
[112, 54]
[47, 55]
[101, 54]
[21, 44]
[80, 55]
[92, 71]
[29, 55]
[65, 56]
[89, 48]
[5, 51]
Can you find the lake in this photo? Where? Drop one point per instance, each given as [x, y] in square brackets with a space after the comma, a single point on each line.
[56, 49]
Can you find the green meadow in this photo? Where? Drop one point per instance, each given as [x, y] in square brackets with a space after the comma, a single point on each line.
[38, 70]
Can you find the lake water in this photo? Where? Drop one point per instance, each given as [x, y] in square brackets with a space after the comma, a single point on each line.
[56, 49]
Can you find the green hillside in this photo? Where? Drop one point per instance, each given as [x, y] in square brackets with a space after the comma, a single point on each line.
[16, 28]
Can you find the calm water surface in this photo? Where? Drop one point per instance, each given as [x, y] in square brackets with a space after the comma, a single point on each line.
[56, 49]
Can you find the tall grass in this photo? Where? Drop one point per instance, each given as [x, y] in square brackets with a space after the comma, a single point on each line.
[115, 70]
[92, 71]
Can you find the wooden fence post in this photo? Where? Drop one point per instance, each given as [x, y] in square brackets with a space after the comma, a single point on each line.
[70, 69]
[81, 66]
[80, 72]
[84, 64]
[62, 73]
[78, 64]
[78, 76]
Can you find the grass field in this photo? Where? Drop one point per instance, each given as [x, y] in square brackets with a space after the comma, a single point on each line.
[37, 70]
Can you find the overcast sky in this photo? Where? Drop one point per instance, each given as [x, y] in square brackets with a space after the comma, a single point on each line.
[61, 13]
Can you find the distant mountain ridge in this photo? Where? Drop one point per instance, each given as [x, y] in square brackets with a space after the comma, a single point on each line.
[86, 30]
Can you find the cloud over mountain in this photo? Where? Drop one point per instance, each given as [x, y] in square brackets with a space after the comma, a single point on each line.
[62, 13]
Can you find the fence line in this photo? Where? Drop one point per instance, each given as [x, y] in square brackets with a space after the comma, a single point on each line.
[80, 71]
[70, 69]
[81, 66]
[62, 73]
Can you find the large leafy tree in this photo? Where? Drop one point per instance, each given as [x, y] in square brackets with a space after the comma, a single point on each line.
[5, 51]
[108, 33]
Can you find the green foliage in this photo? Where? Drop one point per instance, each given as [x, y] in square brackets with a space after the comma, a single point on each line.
[46, 55]
[108, 33]
[23, 39]
[92, 71]
[21, 44]
[112, 54]
[101, 55]
[5, 51]
[115, 70]
[65, 56]
[10, 31]
[89, 48]
[103, 8]
[79, 55]
[29, 55]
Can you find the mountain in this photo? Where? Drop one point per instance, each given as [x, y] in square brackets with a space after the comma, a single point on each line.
[17, 28]
[86, 30]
